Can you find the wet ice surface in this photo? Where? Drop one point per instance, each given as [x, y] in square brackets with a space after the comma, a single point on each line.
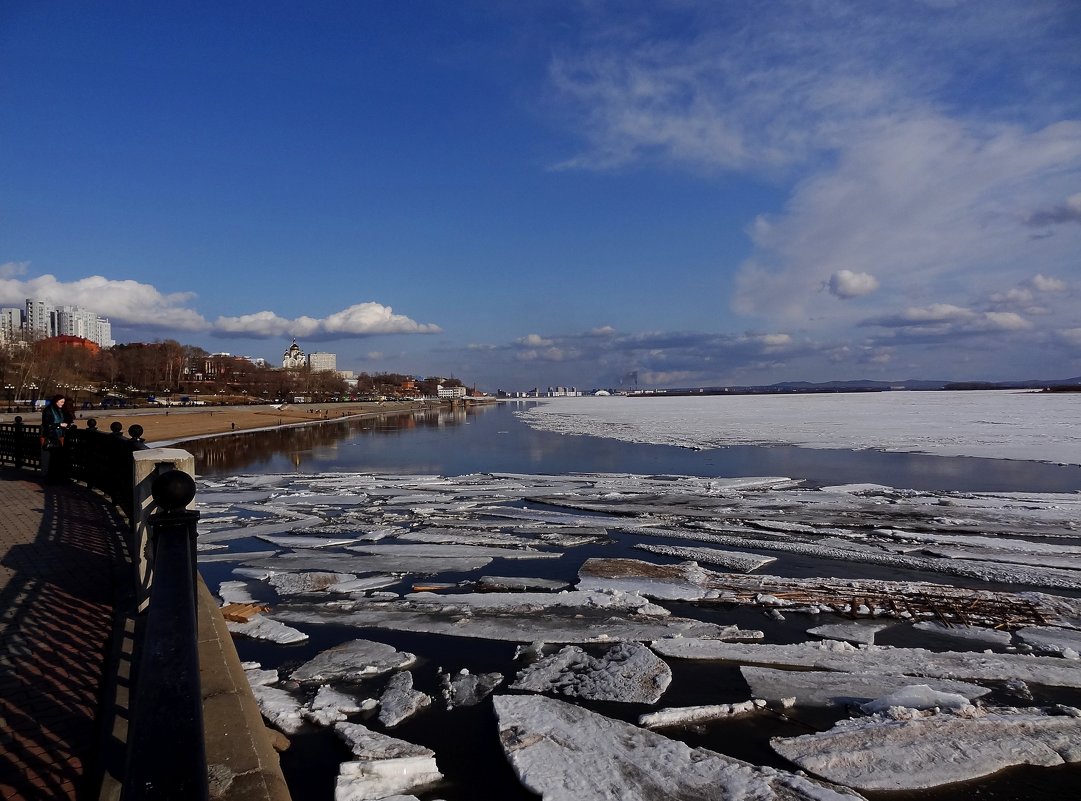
[848, 564]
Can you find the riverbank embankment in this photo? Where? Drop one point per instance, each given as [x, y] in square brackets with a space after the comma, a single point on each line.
[180, 423]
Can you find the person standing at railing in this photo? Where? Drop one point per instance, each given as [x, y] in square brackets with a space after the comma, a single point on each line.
[54, 425]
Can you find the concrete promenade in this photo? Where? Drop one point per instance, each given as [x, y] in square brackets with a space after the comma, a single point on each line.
[65, 657]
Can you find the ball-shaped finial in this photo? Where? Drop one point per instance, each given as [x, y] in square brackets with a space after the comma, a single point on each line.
[173, 490]
[135, 431]
[116, 427]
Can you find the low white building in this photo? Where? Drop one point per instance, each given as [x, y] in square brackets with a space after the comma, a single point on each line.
[450, 392]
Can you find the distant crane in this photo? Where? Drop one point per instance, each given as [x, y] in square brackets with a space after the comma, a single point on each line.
[632, 376]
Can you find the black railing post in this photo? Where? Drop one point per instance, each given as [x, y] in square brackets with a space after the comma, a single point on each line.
[167, 750]
[18, 441]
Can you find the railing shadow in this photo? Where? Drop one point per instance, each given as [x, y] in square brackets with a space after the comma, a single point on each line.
[58, 605]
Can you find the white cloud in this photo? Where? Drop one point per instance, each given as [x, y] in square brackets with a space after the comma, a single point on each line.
[534, 341]
[13, 268]
[846, 284]
[359, 320]
[1006, 321]
[128, 303]
[546, 355]
[890, 159]
[1071, 336]
[1043, 283]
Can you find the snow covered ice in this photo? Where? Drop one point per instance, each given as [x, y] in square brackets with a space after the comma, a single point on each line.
[566, 753]
[1002, 425]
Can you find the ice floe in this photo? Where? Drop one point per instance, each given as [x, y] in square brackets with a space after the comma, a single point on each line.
[400, 701]
[858, 633]
[330, 706]
[688, 715]
[383, 766]
[565, 753]
[567, 617]
[843, 657]
[879, 753]
[260, 627]
[829, 688]
[353, 661]
[627, 672]
[467, 689]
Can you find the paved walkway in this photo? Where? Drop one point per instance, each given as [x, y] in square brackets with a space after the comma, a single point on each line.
[61, 575]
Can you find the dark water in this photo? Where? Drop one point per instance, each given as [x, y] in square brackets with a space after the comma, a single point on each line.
[491, 439]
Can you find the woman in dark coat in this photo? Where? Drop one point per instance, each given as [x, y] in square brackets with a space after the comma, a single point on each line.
[54, 424]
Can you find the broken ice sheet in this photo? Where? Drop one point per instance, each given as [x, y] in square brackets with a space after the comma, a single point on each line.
[467, 689]
[353, 661]
[729, 560]
[879, 754]
[829, 688]
[566, 753]
[311, 582]
[275, 704]
[260, 627]
[846, 658]
[441, 551]
[628, 672]
[687, 715]
[383, 765]
[400, 701]
[330, 706]
[569, 617]
[1052, 640]
[858, 633]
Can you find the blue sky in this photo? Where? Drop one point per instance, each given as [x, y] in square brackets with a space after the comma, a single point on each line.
[557, 193]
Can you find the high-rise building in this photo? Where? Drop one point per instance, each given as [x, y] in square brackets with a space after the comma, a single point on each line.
[11, 324]
[42, 319]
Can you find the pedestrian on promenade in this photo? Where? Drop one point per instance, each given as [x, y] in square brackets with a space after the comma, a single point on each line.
[54, 425]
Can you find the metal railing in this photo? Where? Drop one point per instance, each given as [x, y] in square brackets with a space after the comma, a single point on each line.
[167, 751]
[99, 460]
[166, 757]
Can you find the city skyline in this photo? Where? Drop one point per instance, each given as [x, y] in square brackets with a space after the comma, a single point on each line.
[565, 193]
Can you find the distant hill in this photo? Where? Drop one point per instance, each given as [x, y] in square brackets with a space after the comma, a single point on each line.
[865, 385]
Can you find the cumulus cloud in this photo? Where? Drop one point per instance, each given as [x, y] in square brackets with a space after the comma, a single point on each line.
[128, 303]
[1071, 336]
[846, 284]
[359, 320]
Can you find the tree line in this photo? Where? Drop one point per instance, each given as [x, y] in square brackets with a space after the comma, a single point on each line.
[31, 369]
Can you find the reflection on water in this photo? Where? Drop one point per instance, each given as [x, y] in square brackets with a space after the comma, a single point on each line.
[281, 450]
[458, 441]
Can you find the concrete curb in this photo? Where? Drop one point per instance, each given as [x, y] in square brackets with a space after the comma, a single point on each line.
[242, 761]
